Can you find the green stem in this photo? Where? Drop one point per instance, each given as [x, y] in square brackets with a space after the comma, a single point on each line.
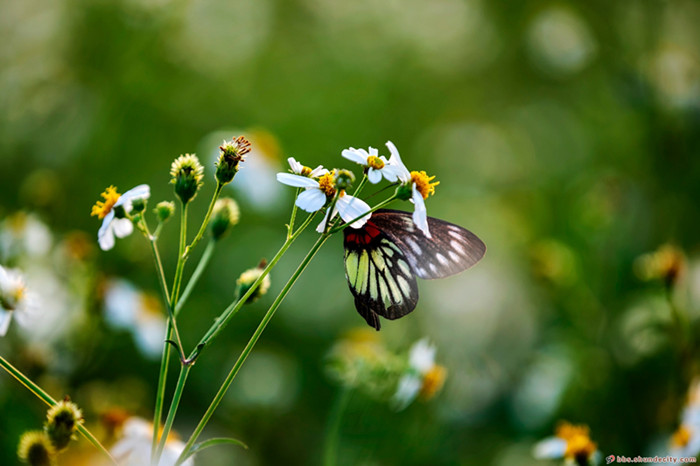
[205, 223]
[249, 347]
[46, 398]
[180, 256]
[160, 392]
[230, 311]
[177, 395]
[329, 212]
[290, 227]
[330, 453]
[203, 262]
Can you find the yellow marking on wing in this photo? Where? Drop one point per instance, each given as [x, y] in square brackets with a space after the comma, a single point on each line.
[351, 262]
[361, 283]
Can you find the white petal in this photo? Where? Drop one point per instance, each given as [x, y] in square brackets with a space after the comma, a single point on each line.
[5, 318]
[407, 391]
[322, 226]
[403, 174]
[105, 236]
[142, 191]
[297, 181]
[549, 448]
[422, 356]
[350, 208]
[318, 171]
[122, 227]
[373, 151]
[374, 176]
[356, 155]
[294, 165]
[311, 200]
[420, 214]
[391, 172]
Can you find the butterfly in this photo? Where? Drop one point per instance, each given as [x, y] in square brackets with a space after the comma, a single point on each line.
[384, 257]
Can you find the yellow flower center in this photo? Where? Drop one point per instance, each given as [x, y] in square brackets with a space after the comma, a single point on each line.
[423, 183]
[305, 171]
[681, 437]
[151, 304]
[327, 184]
[433, 381]
[101, 209]
[578, 442]
[375, 162]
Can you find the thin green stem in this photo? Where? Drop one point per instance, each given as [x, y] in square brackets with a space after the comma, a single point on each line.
[230, 311]
[205, 223]
[46, 398]
[160, 391]
[180, 256]
[329, 212]
[177, 395]
[290, 226]
[363, 181]
[249, 347]
[203, 262]
[330, 453]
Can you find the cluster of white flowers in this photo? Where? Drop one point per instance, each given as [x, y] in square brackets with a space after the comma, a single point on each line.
[319, 188]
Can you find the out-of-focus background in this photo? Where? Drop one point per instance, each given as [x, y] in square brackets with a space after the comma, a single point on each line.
[565, 135]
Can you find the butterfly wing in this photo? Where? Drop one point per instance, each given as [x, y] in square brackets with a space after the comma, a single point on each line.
[379, 275]
[450, 250]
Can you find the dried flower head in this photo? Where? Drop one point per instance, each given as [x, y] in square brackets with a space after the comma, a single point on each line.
[230, 156]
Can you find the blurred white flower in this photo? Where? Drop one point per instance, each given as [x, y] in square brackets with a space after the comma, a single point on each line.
[423, 377]
[22, 234]
[570, 442]
[14, 299]
[685, 441]
[140, 313]
[134, 448]
[111, 226]
[560, 42]
[675, 71]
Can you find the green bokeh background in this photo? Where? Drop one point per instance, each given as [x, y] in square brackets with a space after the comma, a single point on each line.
[564, 134]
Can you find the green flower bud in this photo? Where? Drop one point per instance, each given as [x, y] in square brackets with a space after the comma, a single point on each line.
[62, 421]
[164, 210]
[224, 217]
[246, 280]
[404, 192]
[344, 179]
[230, 155]
[35, 449]
[187, 176]
[138, 206]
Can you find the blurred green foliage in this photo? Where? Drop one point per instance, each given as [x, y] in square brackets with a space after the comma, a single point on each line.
[565, 135]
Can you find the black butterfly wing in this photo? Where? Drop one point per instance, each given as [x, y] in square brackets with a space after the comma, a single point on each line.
[450, 250]
[379, 275]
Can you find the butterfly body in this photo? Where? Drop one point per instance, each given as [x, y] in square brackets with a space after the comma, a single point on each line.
[384, 257]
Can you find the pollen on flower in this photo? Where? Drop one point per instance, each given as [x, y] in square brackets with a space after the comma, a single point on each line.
[433, 381]
[375, 162]
[305, 171]
[681, 437]
[327, 184]
[579, 445]
[423, 183]
[101, 209]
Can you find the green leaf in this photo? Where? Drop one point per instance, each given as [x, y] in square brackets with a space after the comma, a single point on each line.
[212, 442]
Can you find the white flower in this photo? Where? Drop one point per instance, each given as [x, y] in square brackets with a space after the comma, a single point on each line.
[14, 299]
[569, 442]
[140, 313]
[134, 448]
[420, 188]
[377, 165]
[549, 448]
[317, 193]
[421, 362]
[111, 226]
[686, 440]
[299, 169]
[403, 174]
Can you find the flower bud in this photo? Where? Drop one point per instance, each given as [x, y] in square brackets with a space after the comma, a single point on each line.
[62, 421]
[138, 206]
[164, 210]
[230, 155]
[35, 449]
[187, 176]
[224, 217]
[246, 280]
[344, 179]
[404, 192]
